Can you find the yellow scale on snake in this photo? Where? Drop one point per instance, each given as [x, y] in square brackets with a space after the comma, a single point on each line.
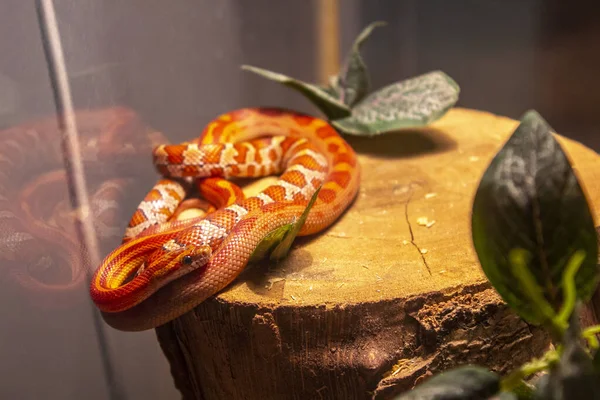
[166, 267]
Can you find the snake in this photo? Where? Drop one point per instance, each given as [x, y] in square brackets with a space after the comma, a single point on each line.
[40, 251]
[165, 267]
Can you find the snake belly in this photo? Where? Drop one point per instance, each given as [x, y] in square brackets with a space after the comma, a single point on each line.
[248, 142]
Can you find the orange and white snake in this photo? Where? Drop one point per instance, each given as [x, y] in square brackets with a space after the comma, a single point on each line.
[165, 268]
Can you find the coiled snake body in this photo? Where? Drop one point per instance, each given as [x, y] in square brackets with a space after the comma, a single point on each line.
[164, 268]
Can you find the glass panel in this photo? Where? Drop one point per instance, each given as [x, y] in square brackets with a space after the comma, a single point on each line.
[139, 72]
[144, 72]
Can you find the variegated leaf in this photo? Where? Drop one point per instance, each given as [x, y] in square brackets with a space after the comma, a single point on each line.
[411, 103]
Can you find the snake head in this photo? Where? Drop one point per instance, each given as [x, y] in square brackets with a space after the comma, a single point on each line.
[194, 257]
[178, 261]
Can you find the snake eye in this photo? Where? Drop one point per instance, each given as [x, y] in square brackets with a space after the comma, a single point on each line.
[187, 260]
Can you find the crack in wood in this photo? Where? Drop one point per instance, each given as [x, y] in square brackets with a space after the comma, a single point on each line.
[410, 230]
[339, 236]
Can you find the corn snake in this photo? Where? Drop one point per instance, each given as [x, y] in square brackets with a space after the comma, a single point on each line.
[165, 268]
[40, 253]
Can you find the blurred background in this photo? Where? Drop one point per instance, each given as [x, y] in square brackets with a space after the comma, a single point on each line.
[176, 65]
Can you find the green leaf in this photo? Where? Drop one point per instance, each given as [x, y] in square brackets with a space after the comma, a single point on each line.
[574, 376]
[279, 241]
[411, 103]
[530, 202]
[284, 246]
[353, 80]
[333, 88]
[329, 105]
[467, 382]
[269, 242]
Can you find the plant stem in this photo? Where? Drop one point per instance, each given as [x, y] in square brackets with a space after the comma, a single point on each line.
[518, 261]
[589, 334]
[569, 289]
[515, 378]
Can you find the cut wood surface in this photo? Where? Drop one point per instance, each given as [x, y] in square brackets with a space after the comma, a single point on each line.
[391, 293]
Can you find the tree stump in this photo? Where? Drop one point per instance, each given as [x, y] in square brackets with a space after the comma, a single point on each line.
[390, 294]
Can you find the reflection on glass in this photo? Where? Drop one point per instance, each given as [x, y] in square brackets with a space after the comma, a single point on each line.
[39, 248]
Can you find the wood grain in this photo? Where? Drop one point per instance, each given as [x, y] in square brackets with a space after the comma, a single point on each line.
[388, 295]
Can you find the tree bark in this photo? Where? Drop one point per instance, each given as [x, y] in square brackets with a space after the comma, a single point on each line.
[390, 294]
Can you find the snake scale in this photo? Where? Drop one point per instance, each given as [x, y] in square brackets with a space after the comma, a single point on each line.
[165, 267]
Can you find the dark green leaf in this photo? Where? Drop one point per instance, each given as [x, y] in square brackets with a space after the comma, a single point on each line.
[353, 81]
[463, 383]
[530, 199]
[596, 361]
[411, 103]
[329, 105]
[574, 376]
